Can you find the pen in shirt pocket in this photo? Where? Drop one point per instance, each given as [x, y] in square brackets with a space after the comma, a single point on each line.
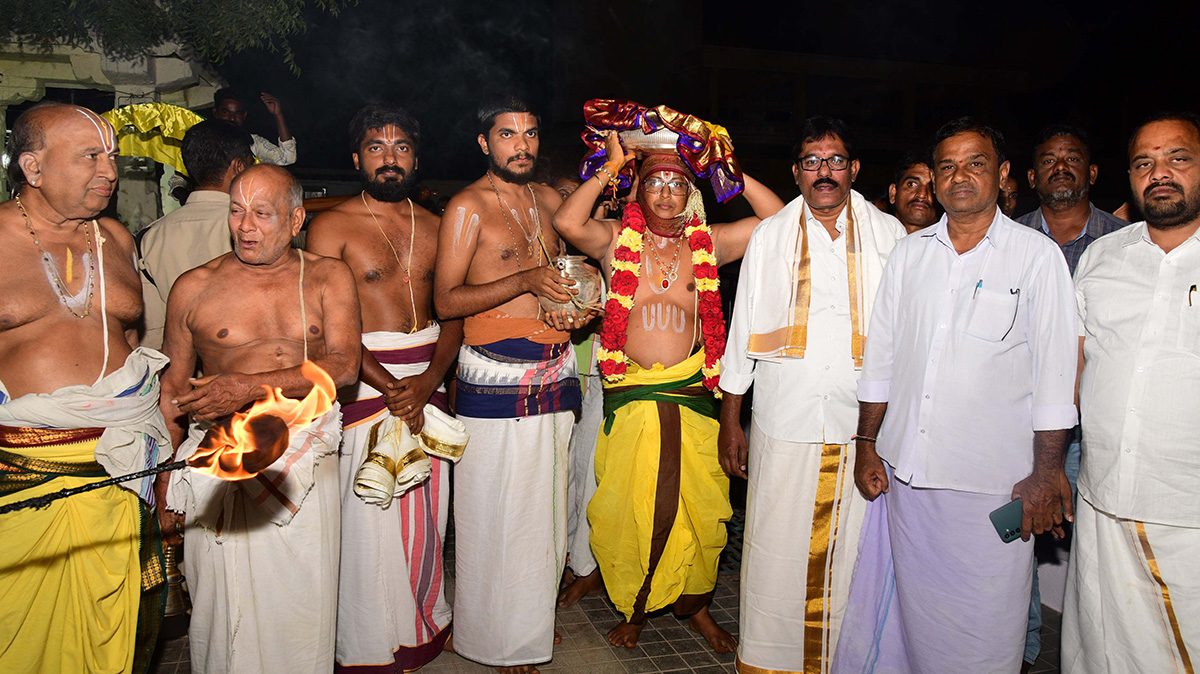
[1191, 291]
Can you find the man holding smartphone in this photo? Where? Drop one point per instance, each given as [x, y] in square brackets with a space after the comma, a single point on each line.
[966, 401]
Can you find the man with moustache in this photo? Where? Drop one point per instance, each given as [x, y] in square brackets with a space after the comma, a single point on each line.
[392, 612]
[802, 352]
[1062, 176]
[1133, 604]
[517, 394]
[262, 553]
[230, 105]
[911, 193]
[966, 403]
[82, 578]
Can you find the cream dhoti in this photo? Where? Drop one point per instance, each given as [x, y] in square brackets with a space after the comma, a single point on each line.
[262, 557]
[82, 579]
[803, 520]
[1133, 597]
[517, 399]
[392, 611]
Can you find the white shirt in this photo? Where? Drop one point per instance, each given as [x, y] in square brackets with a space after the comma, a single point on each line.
[809, 399]
[972, 353]
[267, 152]
[1140, 390]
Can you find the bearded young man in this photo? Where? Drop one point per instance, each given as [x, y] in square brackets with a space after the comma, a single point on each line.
[660, 487]
[1132, 603]
[517, 394]
[391, 605]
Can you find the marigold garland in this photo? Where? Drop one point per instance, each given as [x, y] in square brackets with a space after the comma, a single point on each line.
[626, 267]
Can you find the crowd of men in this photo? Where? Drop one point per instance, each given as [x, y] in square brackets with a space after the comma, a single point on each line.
[914, 375]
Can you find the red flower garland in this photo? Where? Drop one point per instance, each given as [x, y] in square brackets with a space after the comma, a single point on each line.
[626, 267]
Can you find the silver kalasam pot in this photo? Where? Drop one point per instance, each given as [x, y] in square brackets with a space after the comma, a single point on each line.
[587, 282]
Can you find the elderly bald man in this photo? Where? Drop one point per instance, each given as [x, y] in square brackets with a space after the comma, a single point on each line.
[82, 578]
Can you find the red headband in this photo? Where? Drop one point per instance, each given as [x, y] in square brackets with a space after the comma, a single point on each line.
[655, 163]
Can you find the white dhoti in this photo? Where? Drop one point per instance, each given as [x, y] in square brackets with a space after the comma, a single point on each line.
[510, 537]
[935, 589]
[581, 485]
[510, 499]
[262, 558]
[803, 518]
[392, 611]
[1133, 597]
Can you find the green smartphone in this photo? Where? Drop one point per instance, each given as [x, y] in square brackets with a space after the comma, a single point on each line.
[1007, 520]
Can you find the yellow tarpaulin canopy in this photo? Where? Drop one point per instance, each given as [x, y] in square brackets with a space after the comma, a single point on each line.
[153, 130]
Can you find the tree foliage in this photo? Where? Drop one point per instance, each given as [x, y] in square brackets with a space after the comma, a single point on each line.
[213, 29]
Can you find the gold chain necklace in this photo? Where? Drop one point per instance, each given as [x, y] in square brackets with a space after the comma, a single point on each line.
[48, 262]
[537, 230]
[668, 275]
[412, 238]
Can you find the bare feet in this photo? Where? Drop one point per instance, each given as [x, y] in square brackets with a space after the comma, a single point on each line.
[703, 624]
[580, 586]
[625, 634]
[557, 638]
[519, 669]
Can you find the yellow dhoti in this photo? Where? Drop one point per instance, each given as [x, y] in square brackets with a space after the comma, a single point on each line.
[71, 574]
[659, 512]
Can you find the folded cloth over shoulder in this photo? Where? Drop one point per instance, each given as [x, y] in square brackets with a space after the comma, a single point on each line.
[123, 403]
[396, 461]
[781, 287]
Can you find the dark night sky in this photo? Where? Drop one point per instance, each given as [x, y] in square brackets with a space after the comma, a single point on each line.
[1101, 65]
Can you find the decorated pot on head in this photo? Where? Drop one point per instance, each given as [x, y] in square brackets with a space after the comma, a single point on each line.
[443, 436]
[587, 282]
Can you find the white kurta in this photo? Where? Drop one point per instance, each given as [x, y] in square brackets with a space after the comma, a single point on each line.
[262, 563]
[391, 600]
[803, 513]
[510, 520]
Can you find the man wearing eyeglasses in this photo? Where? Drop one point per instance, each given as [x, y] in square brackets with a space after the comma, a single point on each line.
[658, 515]
[804, 300]
[966, 404]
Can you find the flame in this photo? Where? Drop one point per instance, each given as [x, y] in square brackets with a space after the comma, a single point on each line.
[229, 451]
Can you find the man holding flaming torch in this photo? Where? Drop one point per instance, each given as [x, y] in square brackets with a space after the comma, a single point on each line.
[262, 321]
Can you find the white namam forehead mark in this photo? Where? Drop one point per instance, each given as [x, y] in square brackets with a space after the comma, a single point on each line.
[104, 130]
[464, 229]
[390, 135]
[519, 124]
[249, 192]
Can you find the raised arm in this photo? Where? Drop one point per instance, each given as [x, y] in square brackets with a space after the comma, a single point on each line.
[458, 241]
[729, 240]
[572, 220]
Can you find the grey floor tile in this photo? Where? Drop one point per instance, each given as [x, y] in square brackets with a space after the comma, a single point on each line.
[641, 666]
[669, 663]
[658, 648]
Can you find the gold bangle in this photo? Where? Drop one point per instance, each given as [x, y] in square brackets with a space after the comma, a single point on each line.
[605, 169]
[863, 438]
